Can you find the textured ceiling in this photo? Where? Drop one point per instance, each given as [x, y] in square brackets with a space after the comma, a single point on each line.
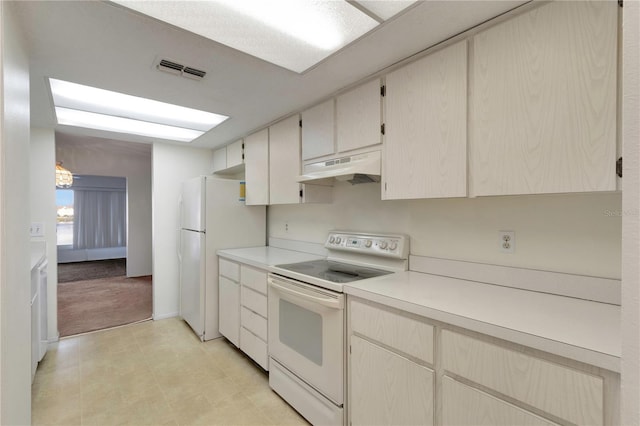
[107, 46]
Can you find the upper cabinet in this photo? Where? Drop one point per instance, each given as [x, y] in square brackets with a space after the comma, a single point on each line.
[229, 159]
[318, 130]
[349, 122]
[219, 160]
[425, 142]
[284, 161]
[272, 167]
[235, 154]
[543, 106]
[358, 117]
[256, 153]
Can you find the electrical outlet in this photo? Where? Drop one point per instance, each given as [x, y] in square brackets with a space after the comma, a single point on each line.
[37, 229]
[286, 227]
[507, 241]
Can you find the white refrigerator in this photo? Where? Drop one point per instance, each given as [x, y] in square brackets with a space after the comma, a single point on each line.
[213, 216]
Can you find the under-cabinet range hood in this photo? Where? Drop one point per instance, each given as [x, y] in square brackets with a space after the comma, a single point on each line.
[357, 168]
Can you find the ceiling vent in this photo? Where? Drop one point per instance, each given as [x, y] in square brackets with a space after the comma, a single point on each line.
[175, 68]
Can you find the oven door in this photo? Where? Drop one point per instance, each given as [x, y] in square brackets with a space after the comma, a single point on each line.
[306, 334]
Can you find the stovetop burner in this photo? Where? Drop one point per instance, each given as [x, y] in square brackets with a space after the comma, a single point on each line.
[333, 271]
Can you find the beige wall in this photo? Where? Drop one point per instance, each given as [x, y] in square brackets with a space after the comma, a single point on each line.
[573, 233]
[631, 220]
[15, 297]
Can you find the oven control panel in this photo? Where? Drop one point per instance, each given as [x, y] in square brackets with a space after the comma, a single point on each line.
[387, 245]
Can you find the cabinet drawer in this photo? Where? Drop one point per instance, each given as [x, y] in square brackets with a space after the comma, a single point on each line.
[254, 323]
[229, 269]
[255, 279]
[405, 334]
[464, 405]
[255, 301]
[564, 392]
[255, 347]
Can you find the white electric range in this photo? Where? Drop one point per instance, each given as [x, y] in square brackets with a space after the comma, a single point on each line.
[307, 319]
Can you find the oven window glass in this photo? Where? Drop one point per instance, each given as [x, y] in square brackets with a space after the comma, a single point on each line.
[301, 330]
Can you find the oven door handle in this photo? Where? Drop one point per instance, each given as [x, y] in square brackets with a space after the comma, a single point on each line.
[329, 302]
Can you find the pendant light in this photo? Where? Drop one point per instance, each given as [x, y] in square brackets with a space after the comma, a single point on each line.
[64, 178]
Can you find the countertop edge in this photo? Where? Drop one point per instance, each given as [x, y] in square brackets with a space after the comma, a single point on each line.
[241, 259]
[267, 253]
[585, 355]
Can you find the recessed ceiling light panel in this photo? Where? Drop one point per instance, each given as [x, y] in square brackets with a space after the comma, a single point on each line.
[110, 123]
[99, 104]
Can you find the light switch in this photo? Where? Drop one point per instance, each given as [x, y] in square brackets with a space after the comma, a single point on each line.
[37, 229]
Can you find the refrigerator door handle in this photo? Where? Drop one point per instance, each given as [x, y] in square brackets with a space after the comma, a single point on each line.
[179, 245]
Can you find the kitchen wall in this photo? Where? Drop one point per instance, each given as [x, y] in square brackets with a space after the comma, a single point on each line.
[171, 166]
[630, 321]
[573, 233]
[103, 157]
[43, 209]
[15, 311]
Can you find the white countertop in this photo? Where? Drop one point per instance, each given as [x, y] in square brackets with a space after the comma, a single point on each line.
[578, 329]
[265, 256]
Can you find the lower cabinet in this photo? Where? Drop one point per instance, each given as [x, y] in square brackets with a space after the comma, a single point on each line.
[388, 388]
[560, 391]
[390, 379]
[396, 376]
[229, 310]
[243, 309]
[229, 300]
[464, 405]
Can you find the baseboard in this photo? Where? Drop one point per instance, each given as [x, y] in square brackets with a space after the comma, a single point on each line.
[157, 317]
[67, 255]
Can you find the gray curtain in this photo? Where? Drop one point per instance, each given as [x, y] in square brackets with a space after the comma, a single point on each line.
[99, 219]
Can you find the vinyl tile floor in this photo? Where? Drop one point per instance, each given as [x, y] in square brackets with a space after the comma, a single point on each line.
[153, 373]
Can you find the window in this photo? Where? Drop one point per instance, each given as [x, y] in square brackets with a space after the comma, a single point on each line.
[64, 222]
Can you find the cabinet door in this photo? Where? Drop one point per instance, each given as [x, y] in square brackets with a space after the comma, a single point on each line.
[256, 168]
[387, 388]
[219, 159]
[229, 310]
[358, 117]
[464, 405]
[543, 111]
[425, 143]
[284, 161]
[318, 128]
[235, 154]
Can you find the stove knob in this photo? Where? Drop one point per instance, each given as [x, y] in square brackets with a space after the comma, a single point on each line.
[368, 243]
[393, 245]
[383, 245]
[338, 240]
[332, 239]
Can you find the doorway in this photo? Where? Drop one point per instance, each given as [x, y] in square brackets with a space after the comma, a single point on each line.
[94, 291]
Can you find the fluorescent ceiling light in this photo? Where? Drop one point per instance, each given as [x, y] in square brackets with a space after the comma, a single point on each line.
[86, 106]
[110, 123]
[294, 34]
